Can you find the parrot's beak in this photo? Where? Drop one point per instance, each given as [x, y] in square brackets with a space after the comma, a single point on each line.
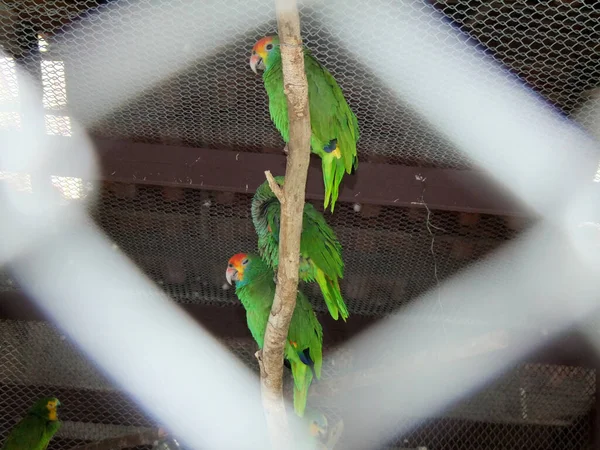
[256, 63]
[231, 275]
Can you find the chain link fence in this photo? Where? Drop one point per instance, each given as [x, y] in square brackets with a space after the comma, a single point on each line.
[181, 238]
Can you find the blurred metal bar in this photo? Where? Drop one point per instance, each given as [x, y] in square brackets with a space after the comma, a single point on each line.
[571, 349]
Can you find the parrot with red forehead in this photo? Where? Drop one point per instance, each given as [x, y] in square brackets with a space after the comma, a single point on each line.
[333, 124]
[255, 288]
[320, 250]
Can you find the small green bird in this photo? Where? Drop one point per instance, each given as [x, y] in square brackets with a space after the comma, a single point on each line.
[320, 250]
[255, 288]
[35, 430]
[333, 124]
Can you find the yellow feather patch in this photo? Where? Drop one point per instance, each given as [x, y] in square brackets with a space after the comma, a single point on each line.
[337, 152]
[51, 406]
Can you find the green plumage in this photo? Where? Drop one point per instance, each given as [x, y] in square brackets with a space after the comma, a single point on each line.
[256, 290]
[333, 124]
[35, 430]
[320, 251]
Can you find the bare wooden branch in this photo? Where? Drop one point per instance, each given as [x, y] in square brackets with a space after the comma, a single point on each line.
[145, 437]
[296, 91]
[274, 185]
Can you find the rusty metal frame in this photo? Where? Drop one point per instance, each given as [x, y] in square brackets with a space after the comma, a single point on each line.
[382, 184]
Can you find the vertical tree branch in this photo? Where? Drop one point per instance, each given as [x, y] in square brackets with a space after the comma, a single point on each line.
[292, 206]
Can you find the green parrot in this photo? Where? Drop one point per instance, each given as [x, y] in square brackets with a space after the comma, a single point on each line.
[334, 126]
[255, 288]
[320, 250]
[35, 430]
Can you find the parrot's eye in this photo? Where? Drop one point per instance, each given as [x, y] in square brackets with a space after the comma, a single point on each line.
[229, 265]
[269, 47]
[254, 52]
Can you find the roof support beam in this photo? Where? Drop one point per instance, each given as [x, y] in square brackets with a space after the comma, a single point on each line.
[224, 170]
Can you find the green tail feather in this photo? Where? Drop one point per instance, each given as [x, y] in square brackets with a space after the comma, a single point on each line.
[333, 297]
[302, 379]
[333, 172]
[336, 294]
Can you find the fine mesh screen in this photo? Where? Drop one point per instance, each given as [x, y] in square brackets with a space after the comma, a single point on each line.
[540, 405]
[218, 102]
[182, 238]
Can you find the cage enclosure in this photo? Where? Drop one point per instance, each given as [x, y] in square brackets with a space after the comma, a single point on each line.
[181, 159]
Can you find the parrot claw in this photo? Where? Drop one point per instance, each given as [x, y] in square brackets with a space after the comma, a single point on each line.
[286, 149]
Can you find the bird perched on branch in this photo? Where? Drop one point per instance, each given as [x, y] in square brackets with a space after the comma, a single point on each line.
[333, 124]
[36, 429]
[255, 288]
[320, 250]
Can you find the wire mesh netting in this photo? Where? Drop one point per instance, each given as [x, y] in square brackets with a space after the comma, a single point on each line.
[217, 102]
[388, 252]
[539, 405]
[391, 254]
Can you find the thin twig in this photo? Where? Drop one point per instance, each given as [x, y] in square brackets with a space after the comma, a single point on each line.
[429, 226]
[274, 185]
[270, 359]
[145, 437]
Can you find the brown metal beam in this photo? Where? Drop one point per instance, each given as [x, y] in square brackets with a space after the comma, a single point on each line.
[221, 321]
[223, 170]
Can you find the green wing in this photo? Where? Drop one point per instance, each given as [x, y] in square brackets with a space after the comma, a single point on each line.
[320, 244]
[257, 298]
[306, 331]
[330, 116]
[273, 80]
